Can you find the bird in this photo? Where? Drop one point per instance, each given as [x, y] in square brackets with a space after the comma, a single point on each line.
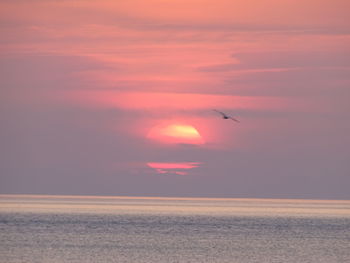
[225, 116]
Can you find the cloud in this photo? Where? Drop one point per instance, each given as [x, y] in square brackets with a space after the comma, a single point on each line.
[173, 168]
[295, 82]
[287, 73]
[279, 60]
[41, 78]
[158, 101]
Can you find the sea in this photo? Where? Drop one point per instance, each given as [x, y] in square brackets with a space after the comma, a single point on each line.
[92, 229]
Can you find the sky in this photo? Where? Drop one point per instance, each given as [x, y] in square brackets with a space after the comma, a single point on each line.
[116, 98]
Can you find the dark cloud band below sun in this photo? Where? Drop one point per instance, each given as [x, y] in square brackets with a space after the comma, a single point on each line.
[173, 168]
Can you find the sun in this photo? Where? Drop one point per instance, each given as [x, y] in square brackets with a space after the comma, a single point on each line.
[180, 131]
[175, 133]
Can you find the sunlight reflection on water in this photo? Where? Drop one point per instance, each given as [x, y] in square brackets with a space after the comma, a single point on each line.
[149, 205]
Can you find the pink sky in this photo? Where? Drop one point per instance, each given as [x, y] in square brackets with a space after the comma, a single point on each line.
[83, 84]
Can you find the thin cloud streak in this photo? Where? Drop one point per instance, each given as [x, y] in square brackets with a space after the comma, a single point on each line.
[180, 101]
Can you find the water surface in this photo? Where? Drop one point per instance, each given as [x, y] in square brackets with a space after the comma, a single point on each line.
[134, 229]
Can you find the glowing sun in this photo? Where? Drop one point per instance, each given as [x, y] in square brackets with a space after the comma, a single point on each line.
[176, 133]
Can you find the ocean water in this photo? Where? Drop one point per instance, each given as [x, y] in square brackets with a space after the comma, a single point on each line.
[85, 229]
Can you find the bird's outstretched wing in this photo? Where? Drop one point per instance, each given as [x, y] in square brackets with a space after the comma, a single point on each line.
[233, 119]
[223, 114]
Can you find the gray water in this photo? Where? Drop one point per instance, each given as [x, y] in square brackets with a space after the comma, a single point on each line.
[112, 229]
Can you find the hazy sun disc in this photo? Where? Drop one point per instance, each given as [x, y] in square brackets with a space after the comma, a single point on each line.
[176, 133]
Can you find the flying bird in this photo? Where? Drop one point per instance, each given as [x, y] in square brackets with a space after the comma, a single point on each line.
[225, 116]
